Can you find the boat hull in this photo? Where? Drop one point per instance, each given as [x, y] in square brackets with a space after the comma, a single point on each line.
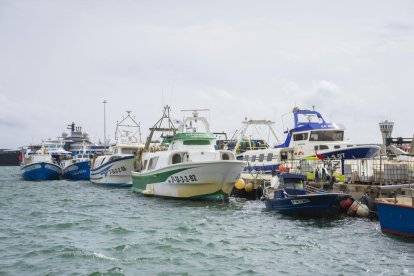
[355, 152]
[396, 219]
[40, 171]
[212, 181]
[116, 173]
[78, 171]
[314, 205]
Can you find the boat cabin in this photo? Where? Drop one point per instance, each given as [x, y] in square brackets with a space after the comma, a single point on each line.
[290, 184]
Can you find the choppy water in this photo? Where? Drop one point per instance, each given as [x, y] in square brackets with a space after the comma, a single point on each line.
[71, 228]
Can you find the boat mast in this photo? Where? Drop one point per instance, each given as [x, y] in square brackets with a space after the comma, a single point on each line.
[135, 124]
[104, 102]
[158, 126]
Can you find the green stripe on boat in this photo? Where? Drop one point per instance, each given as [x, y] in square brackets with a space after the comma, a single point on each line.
[193, 136]
[139, 182]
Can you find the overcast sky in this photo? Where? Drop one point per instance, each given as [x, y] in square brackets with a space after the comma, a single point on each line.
[352, 60]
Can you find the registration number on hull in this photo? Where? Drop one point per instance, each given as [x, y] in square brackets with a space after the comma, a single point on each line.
[299, 201]
[182, 179]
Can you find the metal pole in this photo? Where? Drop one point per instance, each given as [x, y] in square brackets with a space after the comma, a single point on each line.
[104, 102]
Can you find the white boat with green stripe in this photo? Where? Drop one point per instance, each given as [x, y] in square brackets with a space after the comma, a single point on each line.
[191, 168]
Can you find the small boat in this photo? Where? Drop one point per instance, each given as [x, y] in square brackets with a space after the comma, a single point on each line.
[114, 169]
[293, 197]
[78, 167]
[39, 165]
[190, 168]
[396, 214]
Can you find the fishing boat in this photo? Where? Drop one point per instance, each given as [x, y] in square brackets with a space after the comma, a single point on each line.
[293, 197]
[255, 150]
[396, 214]
[78, 167]
[190, 168]
[114, 169]
[39, 165]
[310, 137]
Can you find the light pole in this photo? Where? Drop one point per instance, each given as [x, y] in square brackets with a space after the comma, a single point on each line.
[104, 102]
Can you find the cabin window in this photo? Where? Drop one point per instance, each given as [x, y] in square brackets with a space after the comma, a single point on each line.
[127, 151]
[253, 158]
[145, 165]
[176, 159]
[337, 146]
[261, 157]
[300, 136]
[196, 142]
[327, 135]
[240, 157]
[152, 163]
[323, 147]
[283, 155]
[246, 158]
[269, 157]
[225, 156]
[116, 151]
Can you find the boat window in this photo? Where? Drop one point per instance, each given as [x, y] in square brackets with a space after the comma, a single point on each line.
[323, 147]
[145, 165]
[261, 157]
[300, 136]
[269, 157]
[225, 156]
[116, 151]
[246, 158]
[283, 155]
[327, 135]
[349, 146]
[176, 159]
[126, 151]
[152, 163]
[337, 146]
[196, 142]
[253, 158]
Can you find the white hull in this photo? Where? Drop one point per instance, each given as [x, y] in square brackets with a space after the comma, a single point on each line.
[114, 173]
[208, 180]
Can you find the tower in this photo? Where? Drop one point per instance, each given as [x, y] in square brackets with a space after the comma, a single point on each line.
[386, 130]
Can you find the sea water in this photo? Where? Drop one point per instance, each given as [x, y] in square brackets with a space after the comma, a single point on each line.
[77, 228]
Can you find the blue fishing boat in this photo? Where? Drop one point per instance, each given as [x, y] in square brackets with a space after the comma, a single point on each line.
[39, 165]
[78, 168]
[396, 215]
[293, 197]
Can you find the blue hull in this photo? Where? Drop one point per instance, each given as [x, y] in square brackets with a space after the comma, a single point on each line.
[41, 171]
[78, 171]
[315, 205]
[396, 219]
[352, 153]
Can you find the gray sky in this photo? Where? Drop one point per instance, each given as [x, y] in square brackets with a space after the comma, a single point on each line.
[353, 60]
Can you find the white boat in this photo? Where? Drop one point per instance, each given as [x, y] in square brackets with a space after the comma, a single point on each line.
[191, 168]
[311, 136]
[114, 169]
